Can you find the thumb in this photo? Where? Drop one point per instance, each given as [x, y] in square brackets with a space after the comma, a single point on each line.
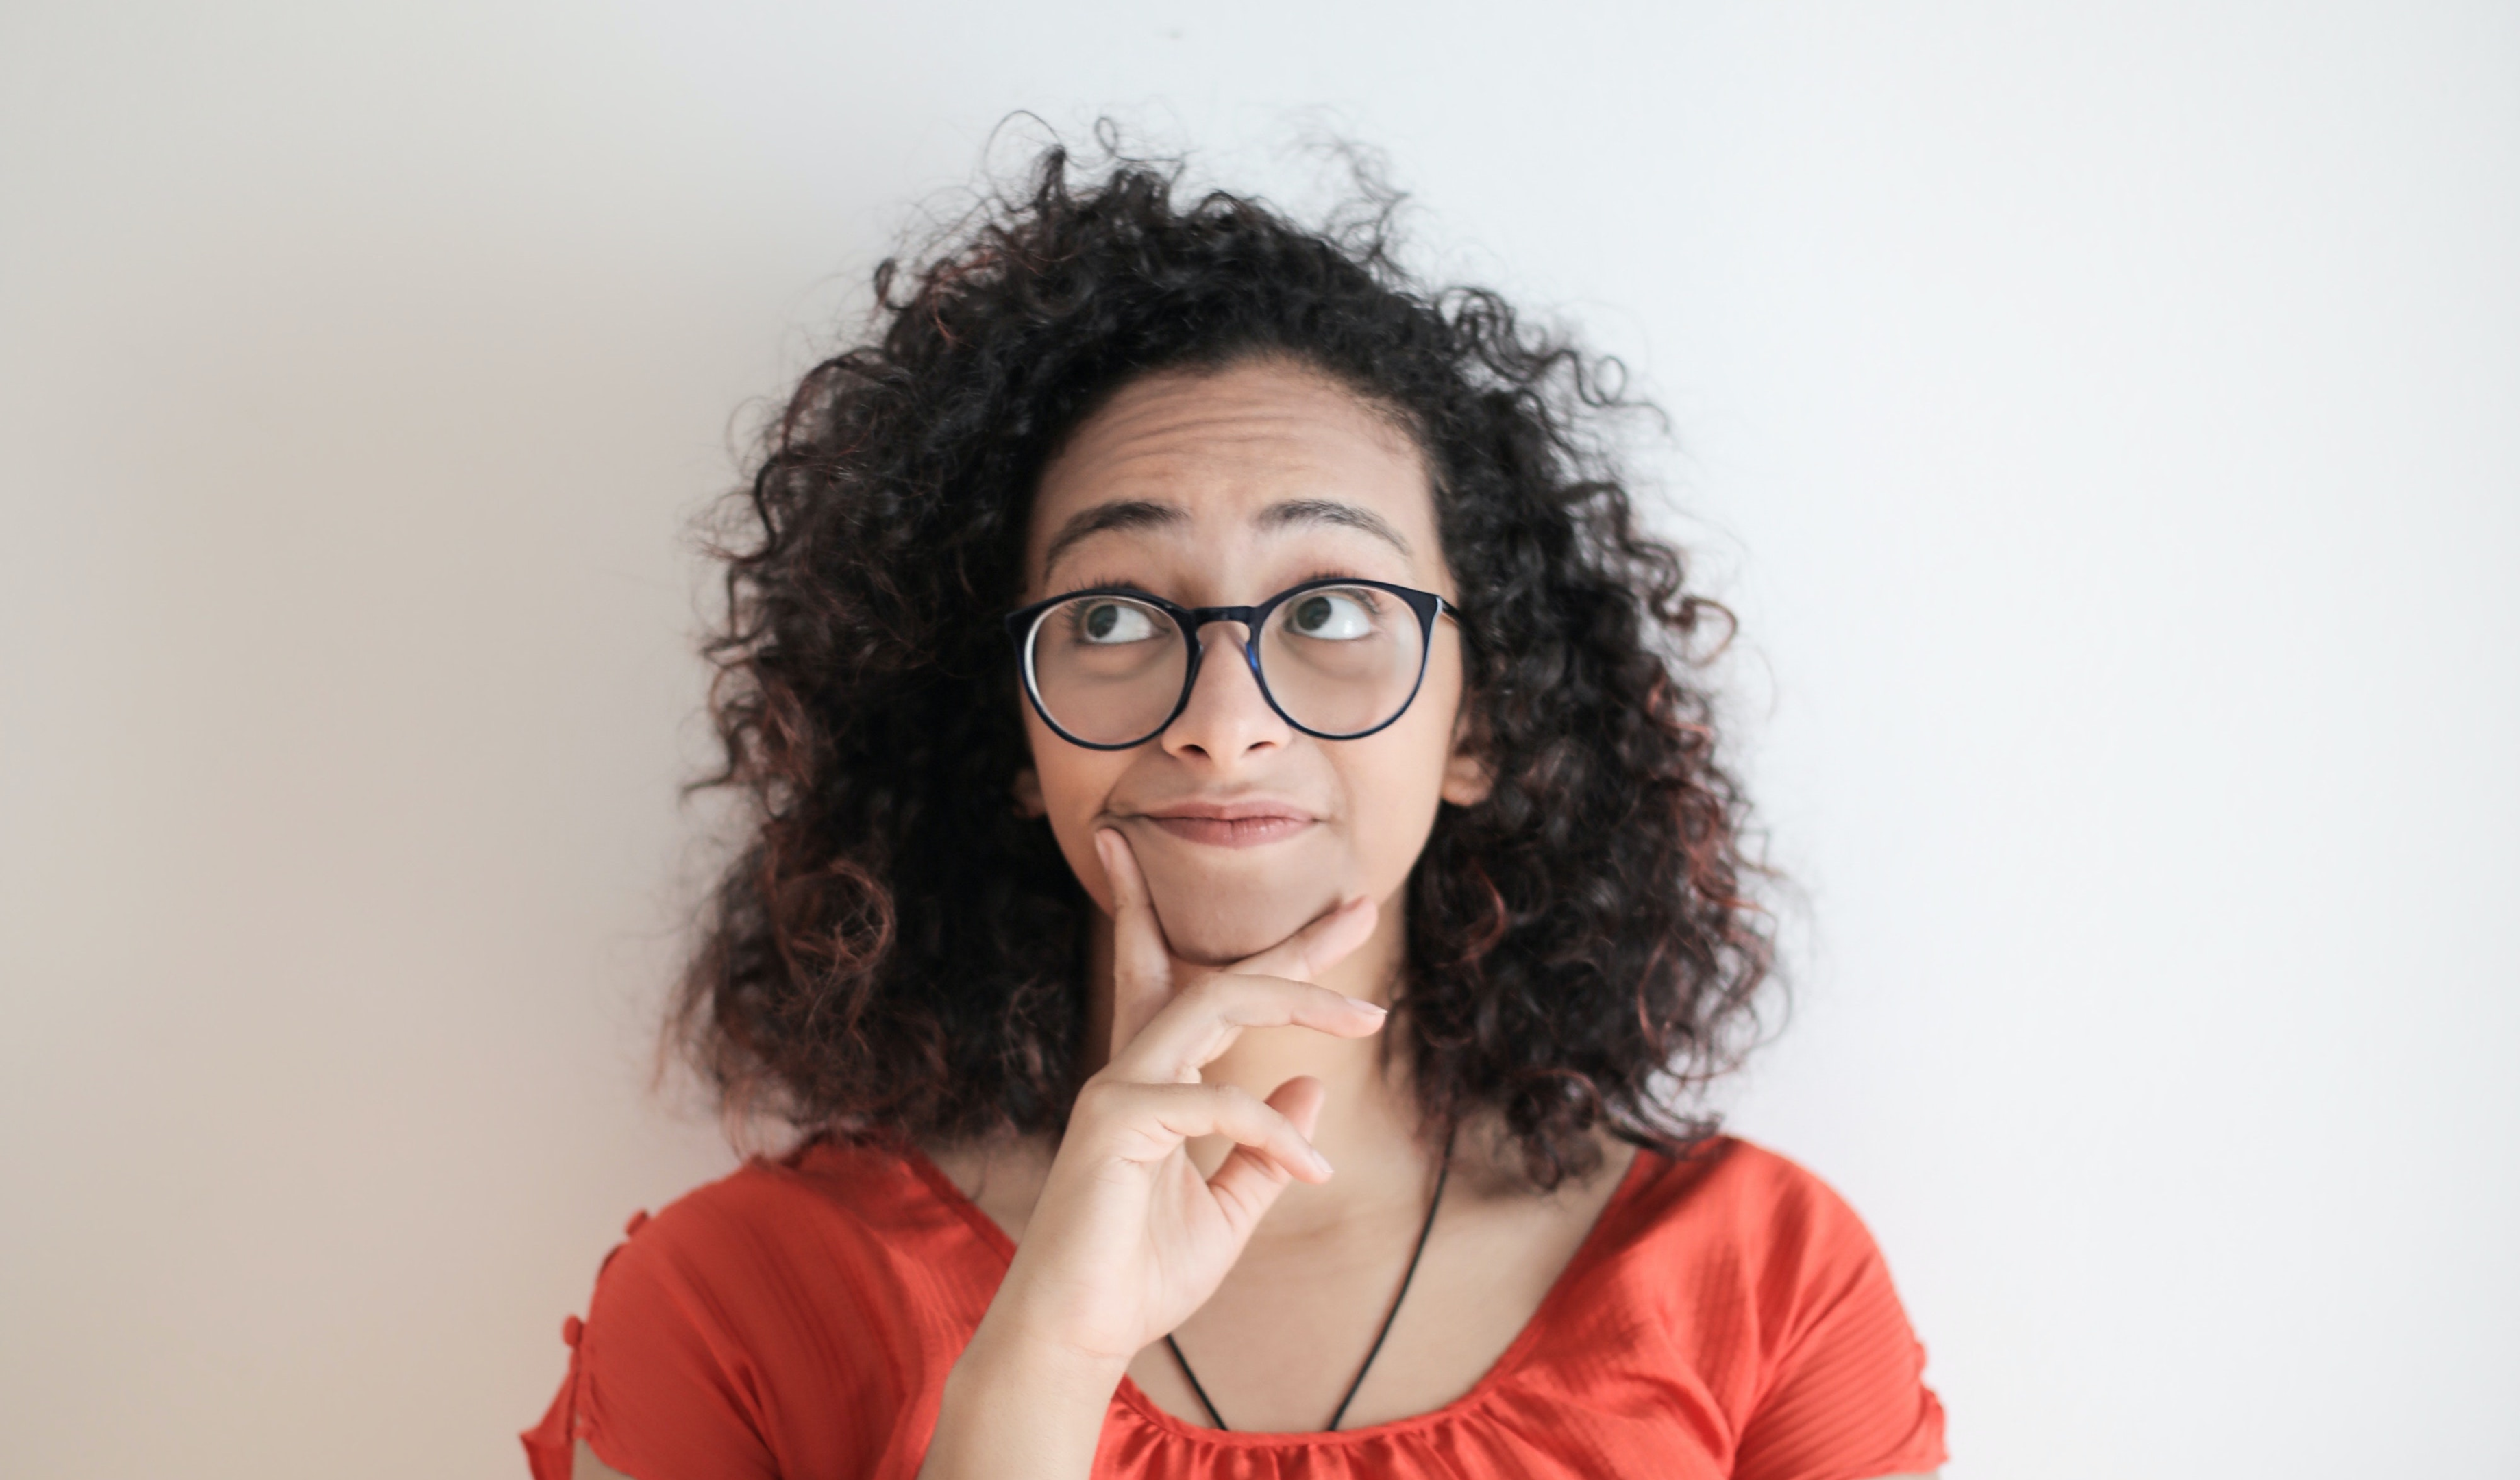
[1300, 1100]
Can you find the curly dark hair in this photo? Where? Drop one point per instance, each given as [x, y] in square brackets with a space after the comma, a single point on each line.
[897, 950]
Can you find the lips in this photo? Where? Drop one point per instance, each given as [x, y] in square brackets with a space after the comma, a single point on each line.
[1230, 824]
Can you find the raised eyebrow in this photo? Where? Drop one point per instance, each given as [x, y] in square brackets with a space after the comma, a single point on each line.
[1120, 513]
[1331, 512]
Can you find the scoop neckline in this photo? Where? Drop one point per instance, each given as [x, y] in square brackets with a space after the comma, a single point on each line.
[1481, 1392]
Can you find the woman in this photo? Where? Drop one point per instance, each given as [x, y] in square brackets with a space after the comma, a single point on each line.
[1239, 885]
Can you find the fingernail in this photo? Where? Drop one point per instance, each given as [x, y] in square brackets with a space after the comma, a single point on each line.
[1321, 1163]
[1371, 1006]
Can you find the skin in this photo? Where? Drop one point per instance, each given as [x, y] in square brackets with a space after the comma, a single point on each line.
[1239, 987]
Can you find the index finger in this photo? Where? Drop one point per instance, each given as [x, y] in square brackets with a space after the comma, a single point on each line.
[1203, 1022]
[1141, 961]
[1317, 947]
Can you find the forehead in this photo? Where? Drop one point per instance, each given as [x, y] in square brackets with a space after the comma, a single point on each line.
[1226, 461]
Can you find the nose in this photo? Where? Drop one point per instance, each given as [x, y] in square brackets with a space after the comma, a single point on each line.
[1227, 718]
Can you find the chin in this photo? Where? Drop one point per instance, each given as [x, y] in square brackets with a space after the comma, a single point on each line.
[1217, 920]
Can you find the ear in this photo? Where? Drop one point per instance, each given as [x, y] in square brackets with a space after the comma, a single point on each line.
[1027, 794]
[1468, 778]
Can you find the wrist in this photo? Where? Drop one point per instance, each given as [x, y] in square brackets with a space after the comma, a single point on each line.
[1016, 1404]
[1003, 1354]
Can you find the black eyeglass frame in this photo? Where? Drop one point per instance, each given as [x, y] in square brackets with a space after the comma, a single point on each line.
[1189, 620]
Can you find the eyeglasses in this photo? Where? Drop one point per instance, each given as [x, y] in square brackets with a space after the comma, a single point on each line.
[1113, 667]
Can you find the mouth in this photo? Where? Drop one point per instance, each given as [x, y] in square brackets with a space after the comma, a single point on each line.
[1230, 824]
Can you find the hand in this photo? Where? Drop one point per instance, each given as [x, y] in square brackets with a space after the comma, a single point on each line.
[1128, 1238]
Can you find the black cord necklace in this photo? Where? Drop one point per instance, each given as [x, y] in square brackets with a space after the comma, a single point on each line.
[1443, 1175]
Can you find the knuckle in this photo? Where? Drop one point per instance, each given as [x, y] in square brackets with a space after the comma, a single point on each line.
[1096, 1100]
[1241, 1106]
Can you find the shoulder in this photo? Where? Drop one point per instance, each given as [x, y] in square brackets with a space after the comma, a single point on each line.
[1779, 1293]
[767, 1321]
[1736, 1240]
[828, 1237]
[1742, 1194]
[822, 1206]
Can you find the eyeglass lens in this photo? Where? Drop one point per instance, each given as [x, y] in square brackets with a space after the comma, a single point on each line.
[1338, 660]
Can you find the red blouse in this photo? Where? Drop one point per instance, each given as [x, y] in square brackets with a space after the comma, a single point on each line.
[1727, 1314]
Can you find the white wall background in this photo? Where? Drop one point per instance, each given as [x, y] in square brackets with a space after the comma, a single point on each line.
[2106, 419]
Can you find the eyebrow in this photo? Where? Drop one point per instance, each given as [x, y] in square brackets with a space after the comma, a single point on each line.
[1333, 511]
[1146, 513]
[1124, 514]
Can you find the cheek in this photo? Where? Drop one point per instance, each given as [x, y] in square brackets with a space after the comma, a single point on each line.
[1395, 779]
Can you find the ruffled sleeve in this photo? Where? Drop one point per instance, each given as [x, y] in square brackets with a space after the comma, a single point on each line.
[656, 1387]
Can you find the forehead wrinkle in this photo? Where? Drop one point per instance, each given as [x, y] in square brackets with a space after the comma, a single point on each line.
[1160, 442]
[1120, 513]
[1331, 512]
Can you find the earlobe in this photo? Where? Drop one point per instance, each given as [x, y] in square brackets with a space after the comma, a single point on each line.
[1468, 780]
[1027, 794]
[1467, 777]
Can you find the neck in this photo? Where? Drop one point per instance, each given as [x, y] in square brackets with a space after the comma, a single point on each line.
[1369, 1120]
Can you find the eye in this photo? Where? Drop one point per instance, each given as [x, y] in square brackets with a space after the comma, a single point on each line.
[1109, 621]
[1331, 615]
